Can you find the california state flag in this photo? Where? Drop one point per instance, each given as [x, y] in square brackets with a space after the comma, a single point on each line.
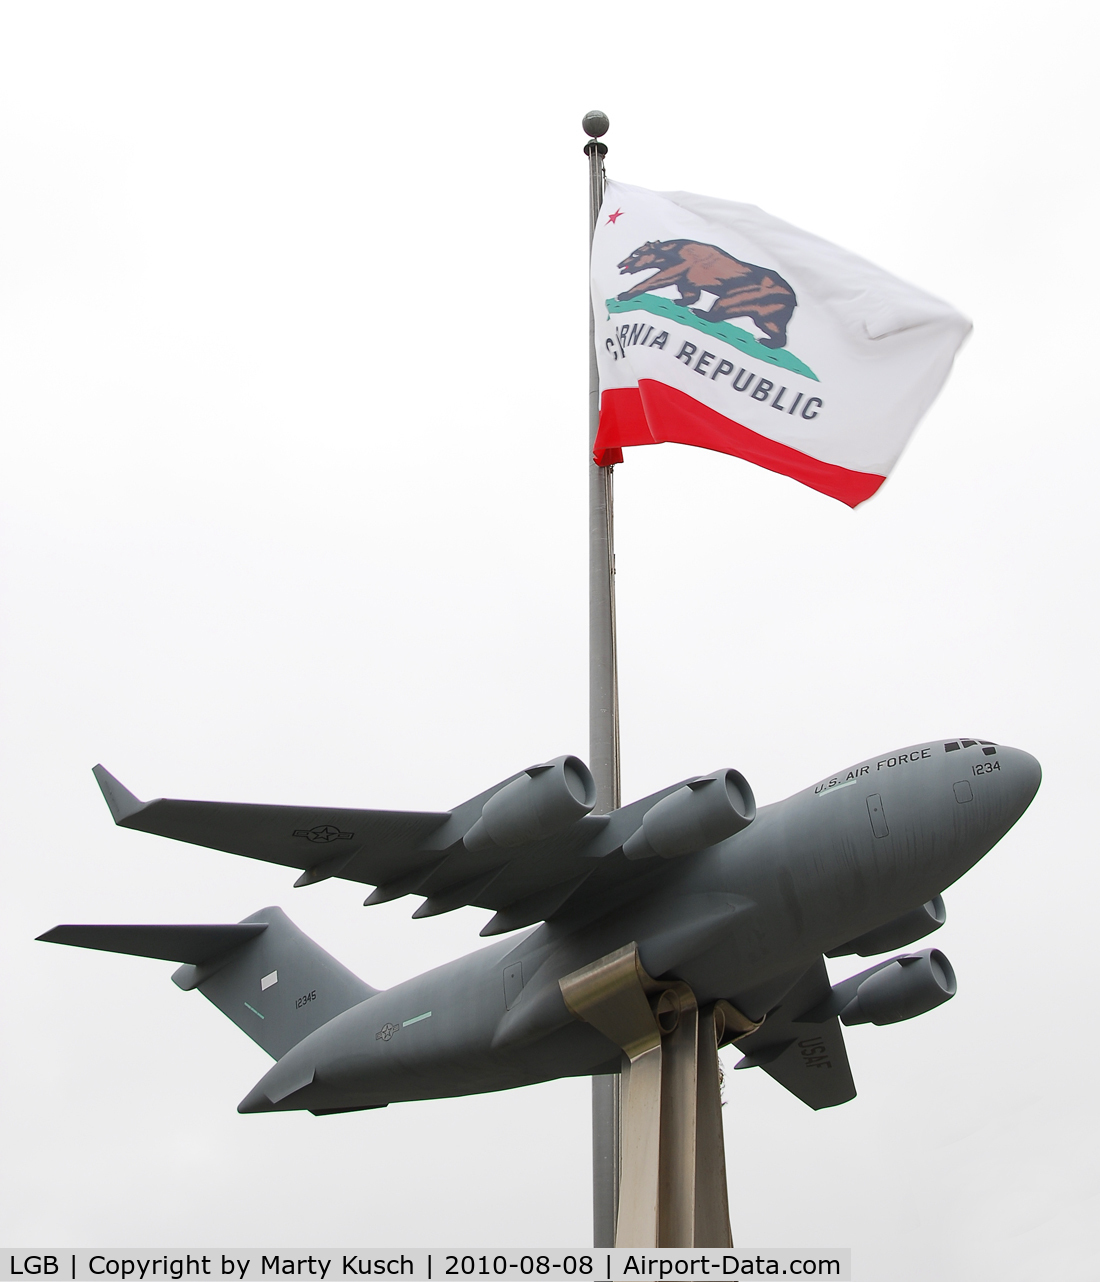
[720, 326]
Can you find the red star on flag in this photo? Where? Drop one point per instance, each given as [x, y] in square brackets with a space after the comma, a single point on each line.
[616, 215]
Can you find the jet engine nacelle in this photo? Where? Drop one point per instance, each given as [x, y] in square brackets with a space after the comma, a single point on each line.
[543, 801]
[906, 929]
[904, 987]
[698, 815]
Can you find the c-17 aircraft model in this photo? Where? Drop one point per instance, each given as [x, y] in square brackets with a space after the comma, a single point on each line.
[741, 905]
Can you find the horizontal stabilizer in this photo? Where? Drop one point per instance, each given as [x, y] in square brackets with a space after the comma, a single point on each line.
[263, 973]
[194, 944]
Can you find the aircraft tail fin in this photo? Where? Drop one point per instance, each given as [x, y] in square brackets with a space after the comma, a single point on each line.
[265, 974]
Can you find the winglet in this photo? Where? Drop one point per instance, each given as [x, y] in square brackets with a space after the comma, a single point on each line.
[121, 802]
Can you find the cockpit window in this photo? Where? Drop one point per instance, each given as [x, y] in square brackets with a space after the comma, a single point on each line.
[988, 748]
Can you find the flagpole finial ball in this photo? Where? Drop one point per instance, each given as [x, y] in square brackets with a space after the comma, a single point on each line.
[595, 124]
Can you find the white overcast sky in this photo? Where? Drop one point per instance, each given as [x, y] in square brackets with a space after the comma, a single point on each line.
[293, 316]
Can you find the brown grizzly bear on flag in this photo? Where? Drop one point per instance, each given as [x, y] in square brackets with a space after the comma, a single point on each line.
[742, 288]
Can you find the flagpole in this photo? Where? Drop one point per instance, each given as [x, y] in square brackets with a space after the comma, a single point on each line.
[603, 702]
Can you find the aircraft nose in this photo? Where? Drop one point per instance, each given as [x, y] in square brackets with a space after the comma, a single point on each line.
[1025, 776]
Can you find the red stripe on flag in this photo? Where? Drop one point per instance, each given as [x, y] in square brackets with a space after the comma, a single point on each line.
[653, 412]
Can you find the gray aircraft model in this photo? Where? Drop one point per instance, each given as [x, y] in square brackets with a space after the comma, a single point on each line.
[742, 906]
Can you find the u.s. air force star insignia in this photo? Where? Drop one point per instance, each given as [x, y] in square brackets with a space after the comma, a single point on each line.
[386, 1032]
[323, 832]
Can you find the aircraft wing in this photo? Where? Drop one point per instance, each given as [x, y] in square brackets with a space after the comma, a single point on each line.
[808, 1057]
[406, 852]
[305, 837]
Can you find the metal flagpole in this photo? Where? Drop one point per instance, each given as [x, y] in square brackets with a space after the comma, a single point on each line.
[669, 1158]
[603, 704]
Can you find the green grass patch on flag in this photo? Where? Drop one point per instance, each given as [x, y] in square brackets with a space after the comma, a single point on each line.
[723, 331]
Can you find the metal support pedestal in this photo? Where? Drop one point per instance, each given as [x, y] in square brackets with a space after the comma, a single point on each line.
[672, 1180]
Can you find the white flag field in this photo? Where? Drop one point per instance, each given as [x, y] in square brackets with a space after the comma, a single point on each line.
[720, 326]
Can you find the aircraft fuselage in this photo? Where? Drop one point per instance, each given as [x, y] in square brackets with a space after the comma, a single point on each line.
[741, 921]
